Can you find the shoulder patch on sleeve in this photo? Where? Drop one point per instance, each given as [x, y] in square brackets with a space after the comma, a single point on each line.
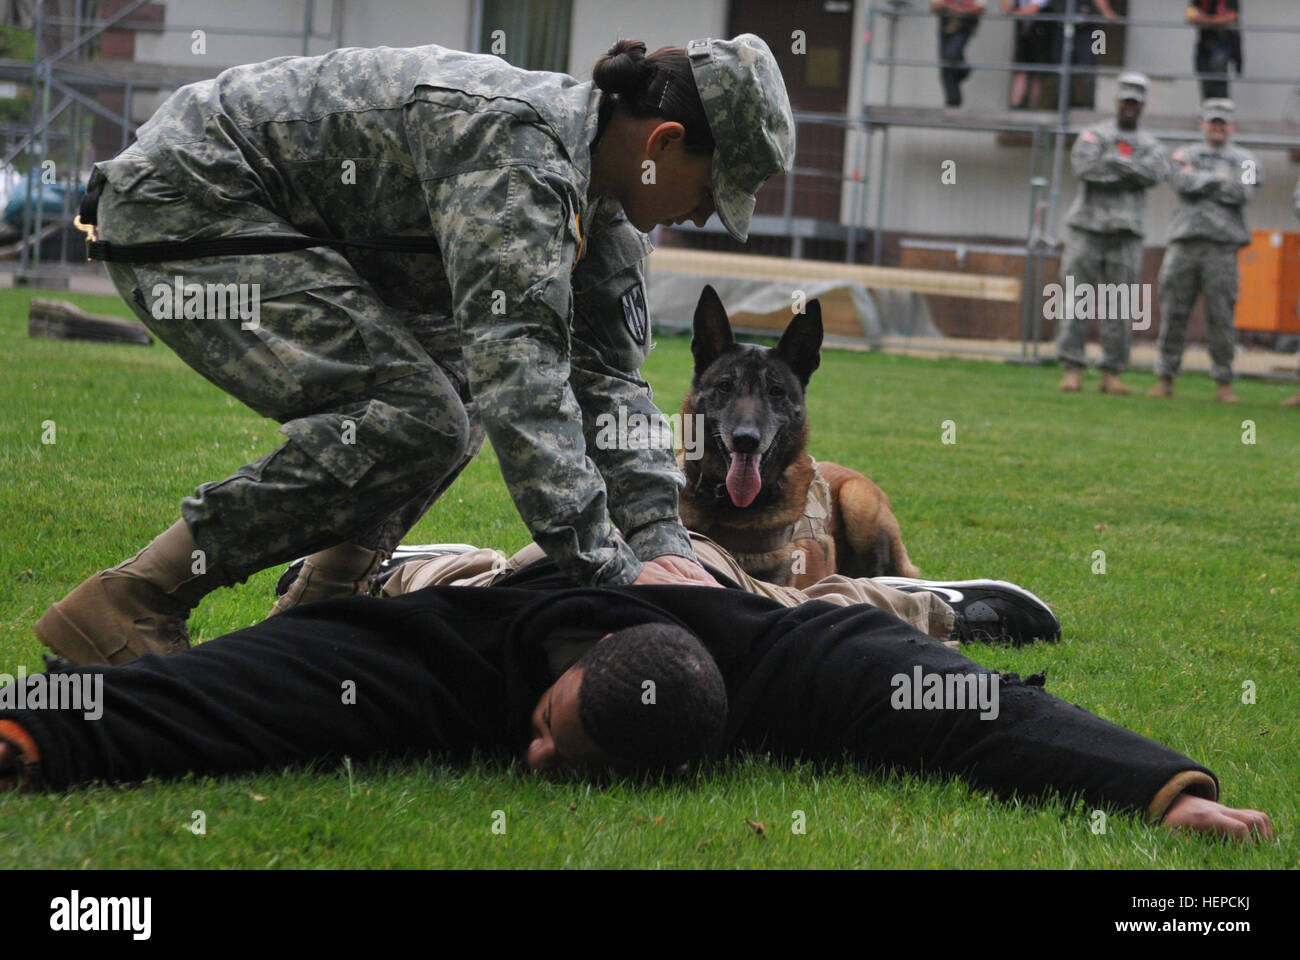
[635, 315]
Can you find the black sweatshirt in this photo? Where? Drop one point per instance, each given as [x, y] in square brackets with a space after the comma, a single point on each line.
[455, 669]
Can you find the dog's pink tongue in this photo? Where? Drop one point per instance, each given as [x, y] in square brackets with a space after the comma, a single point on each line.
[743, 482]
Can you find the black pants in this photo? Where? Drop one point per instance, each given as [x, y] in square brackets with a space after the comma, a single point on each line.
[1213, 57]
[952, 47]
[1083, 85]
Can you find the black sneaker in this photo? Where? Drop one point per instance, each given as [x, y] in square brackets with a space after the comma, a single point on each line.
[403, 554]
[988, 611]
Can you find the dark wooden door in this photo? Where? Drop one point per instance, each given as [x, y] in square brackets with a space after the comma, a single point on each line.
[815, 65]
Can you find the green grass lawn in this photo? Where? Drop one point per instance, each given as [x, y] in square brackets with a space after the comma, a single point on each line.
[1201, 593]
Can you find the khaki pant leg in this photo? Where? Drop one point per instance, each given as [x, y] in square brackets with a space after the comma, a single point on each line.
[522, 558]
[925, 611]
[708, 552]
[477, 568]
[722, 561]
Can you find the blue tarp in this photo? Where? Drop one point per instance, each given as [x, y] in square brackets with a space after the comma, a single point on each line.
[51, 200]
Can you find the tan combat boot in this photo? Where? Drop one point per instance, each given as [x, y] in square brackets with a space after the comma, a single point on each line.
[1164, 388]
[1225, 395]
[1072, 382]
[342, 571]
[135, 608]
[1110, 384]
[1292, 401]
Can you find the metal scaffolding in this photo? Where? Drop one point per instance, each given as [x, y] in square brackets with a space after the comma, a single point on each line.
[66, 82]
[1049, 131]
[1046, 131]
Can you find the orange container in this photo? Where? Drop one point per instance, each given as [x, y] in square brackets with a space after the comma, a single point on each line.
[1268, 292]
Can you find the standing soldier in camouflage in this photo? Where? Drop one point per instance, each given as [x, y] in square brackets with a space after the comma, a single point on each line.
[1294, 401]
[1214, 180]
[505, 295]
[1116, 164]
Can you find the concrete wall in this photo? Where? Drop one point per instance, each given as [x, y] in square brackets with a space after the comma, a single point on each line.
[173, 46]
[598, 23]
[402, 23]
[225, 50]
[408, 23]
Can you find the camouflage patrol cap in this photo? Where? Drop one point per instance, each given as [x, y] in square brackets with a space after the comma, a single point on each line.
[1132, 86]
[748, 111]
[1218, 108]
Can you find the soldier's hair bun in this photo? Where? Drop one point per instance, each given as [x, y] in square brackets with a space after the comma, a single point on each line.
[622, 70]
[659, 85]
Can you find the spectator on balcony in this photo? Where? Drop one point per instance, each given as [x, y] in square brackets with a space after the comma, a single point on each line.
[1083, 47]
[958, 20]
[1218, 43]
[1033, 45]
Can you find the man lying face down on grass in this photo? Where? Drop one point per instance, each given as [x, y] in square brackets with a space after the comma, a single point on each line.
[681, 674]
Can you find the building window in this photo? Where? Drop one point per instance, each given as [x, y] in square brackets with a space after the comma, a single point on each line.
[532, 34]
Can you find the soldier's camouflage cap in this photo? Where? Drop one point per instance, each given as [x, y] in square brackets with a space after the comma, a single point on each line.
[748, 110]
[1132, 86]
[1218, 108]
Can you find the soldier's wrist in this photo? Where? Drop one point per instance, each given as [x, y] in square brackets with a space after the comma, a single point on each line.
[620, 570]
[666, 537]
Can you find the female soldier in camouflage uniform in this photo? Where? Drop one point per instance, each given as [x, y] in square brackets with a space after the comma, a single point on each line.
[526, 317]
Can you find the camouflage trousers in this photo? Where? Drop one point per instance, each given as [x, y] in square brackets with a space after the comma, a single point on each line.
[372, 399]
[1207, 268]
[1093, 259]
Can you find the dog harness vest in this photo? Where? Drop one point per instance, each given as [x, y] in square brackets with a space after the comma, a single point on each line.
[771, 551]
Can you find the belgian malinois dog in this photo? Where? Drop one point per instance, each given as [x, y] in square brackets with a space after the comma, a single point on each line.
[755, 490]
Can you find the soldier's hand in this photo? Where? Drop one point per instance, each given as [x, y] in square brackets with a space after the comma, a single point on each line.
[1206, 816]
[674, 571]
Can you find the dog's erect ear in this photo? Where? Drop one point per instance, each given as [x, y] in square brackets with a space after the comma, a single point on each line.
[801, 344]
[712, 330]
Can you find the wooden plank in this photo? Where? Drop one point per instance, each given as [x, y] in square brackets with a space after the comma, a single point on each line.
[680, 260]
[60, 320]
[839, 316]
[12, 250]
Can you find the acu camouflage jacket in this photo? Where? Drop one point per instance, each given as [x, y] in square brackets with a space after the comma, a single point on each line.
[1213, 187]
[539, 292]
[1115, 168]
